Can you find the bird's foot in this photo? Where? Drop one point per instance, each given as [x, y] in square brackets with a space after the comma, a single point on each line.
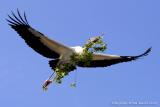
[46, 84]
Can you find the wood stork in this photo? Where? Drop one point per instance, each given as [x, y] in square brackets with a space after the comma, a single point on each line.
[57, 52]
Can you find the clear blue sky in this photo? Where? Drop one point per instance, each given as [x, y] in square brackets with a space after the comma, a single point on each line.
[130, 27]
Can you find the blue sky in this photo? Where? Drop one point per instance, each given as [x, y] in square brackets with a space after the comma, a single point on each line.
[130, 27]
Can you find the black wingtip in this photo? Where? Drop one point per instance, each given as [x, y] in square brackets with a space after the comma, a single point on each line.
[131, 58]
[145, 53]
[17, 20]
[142, 55]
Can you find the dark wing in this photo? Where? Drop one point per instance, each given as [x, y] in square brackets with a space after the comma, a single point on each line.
[36, 40]
[104, 60]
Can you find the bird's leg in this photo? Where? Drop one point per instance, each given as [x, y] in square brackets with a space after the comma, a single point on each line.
[47, 82]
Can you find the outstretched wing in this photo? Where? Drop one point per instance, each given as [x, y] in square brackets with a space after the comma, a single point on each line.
[104, 60]
[36, 40]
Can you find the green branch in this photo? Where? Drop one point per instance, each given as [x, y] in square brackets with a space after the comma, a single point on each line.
[93, 45]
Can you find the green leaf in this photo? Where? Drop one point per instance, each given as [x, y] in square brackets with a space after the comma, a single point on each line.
[93, 45]
[73, 85]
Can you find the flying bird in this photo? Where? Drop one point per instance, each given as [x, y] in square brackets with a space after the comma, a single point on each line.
[59, 53]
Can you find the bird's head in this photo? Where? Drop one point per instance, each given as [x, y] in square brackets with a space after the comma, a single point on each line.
[77, 49]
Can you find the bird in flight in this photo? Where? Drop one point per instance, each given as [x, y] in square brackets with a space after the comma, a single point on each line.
[59, 53]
